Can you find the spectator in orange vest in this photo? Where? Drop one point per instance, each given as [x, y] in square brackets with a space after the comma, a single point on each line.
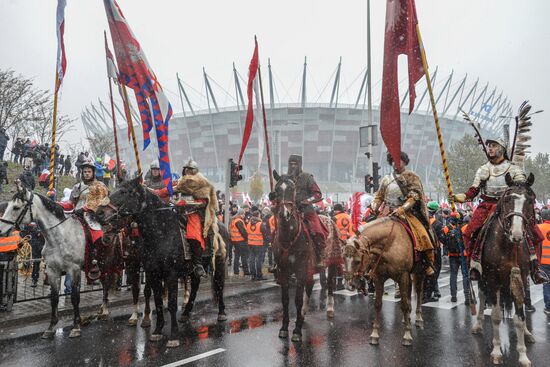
[545, 256]
[256, 247]
[455, 248]
[239, 238]
[343, 222]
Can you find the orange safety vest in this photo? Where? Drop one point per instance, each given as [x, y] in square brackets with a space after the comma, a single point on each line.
[545, 229]
[10, 243]
[255, 237]
[343, 222]
[236, 235]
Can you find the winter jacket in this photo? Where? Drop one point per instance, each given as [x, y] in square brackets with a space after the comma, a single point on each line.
[27, 180]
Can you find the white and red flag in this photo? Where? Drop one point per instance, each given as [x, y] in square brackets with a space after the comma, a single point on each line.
[109, 162]
[60, 29]
[252, 76]
[111, 67]
[136, 73]
[401, 38]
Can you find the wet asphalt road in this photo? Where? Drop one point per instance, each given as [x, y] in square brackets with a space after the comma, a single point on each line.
[249, 338]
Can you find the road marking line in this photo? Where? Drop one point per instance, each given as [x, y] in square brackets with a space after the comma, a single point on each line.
[195, 358]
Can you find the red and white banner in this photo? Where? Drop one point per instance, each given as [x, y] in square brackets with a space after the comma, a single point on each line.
[109, 162]
[401, 38]
[252, 74]
[111, 67]
[60, 29]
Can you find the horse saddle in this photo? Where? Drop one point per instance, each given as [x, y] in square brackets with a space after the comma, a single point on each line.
[91, 221]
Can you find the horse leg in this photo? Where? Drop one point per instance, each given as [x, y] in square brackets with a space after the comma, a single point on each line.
[308, 291]
[146, 322]
[75, 300]
[379, 286]
[323, 278]
[477, 328]
[103, 312]
[54, 279]
[132, 321]
[331, 284]
[283, 277]
[172, 285]
[299, 302]
[158, 291]
[418, 281]
[195, 283]
[405, 286]
[496, 317]
[218, 284]
[186, 290]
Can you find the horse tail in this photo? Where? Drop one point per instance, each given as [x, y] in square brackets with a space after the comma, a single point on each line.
[217, 280]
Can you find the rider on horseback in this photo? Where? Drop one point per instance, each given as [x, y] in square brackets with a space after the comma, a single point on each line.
[198, 205]
[307, 194]
[402, 193]
[490, 182]
[85, 199]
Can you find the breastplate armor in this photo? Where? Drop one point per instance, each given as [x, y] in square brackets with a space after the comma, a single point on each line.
[495, 184]
[394, 196]
[79, 194]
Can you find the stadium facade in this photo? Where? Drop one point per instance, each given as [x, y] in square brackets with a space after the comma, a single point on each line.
[326, 134]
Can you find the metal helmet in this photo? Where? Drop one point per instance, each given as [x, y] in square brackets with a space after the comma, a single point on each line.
[88, 163]
[500, 141]
[296, 159]
[155, 164]
[191, 164]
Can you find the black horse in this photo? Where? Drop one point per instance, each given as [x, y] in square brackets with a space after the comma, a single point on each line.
[292, 252]
[163, 257]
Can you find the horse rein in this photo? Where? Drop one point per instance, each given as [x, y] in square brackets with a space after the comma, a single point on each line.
[17, 223]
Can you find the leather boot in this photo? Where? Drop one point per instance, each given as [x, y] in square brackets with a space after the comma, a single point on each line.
[429, 261]
[196, 259]
[538, 276]
[94, 272]
[475, 270]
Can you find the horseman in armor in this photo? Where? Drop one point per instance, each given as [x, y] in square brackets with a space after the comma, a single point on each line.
[85, 198]
[401, 194]
[199, 205]
[490, 182]
[307, 194]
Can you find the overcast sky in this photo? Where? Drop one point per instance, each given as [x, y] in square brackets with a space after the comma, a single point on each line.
[503, 42]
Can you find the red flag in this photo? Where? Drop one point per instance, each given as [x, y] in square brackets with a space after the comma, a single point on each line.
[401, 38]
[60, 30]
[252, 72]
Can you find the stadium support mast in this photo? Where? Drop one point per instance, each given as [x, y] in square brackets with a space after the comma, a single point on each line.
[239, 95]
[182, 92]
[370, 124]
[208, 93]
[180, 88]
[304, 75]
[271, 94]
[303, 104]
[334, 98]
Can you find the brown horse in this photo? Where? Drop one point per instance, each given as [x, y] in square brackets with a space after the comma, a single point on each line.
[384, 250]
[505, 265]
[292, 252]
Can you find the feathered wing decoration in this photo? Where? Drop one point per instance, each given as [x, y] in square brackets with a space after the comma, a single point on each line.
[521, 133]
[475, 126]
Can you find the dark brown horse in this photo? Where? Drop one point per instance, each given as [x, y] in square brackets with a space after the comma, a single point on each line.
[505, 264]
[292, 252]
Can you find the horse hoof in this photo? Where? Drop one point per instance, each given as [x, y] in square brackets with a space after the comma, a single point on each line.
[373, 341]
[132, 322]
[222, 317]
[419, 324]
[185, 318]
[102, 317]
[48, 334]
[476, 330]
[146, 323]
[155, 337]
[75, 333]
[283, 334]
[497, 359]
[530, 339]
[406, 342]
[296, 338]
[173, 343]
[330, 314]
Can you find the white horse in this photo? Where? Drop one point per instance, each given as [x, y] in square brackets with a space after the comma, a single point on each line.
[64, 250]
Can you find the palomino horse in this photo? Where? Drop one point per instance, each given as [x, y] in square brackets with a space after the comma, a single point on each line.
[332, 258]
[294, 254]
[385, 250]
[64, 250]
[505, 265]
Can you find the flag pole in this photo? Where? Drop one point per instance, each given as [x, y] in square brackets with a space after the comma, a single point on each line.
[270, 172]
[114, 130]
[130, 126]
[54, 128]
[436, 118]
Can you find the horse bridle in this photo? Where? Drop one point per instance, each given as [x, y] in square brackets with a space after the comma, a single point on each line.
[28, 207]
[508, 217]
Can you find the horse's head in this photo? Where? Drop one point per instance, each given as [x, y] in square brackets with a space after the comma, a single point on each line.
[516, 207]
[127, 199]
[353, 258]
[18, 210]
[284, 195]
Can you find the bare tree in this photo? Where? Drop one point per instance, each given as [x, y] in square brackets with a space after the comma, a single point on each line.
[101, 144]
[18, 99]
[40, 126]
